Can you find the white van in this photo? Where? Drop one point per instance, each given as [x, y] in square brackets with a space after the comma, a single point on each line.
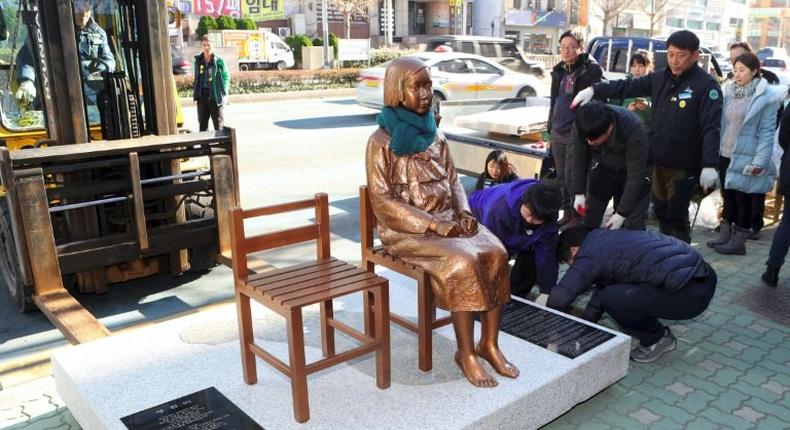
[259, 49]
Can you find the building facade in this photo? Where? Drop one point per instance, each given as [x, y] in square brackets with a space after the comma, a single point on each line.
[769, 23]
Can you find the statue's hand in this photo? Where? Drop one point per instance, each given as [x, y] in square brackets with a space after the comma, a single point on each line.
[468, 223]
[445, 228]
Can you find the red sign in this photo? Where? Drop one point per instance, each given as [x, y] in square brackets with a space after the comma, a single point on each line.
[217, 8]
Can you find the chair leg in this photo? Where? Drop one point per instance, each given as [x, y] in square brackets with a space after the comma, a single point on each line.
[383, 372]
[327, 331]
[297, 364]
[369, 304]
[424, 330]
[246, 337]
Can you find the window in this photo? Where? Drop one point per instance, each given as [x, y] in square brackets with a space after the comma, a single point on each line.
[675, 22]
[454, 66]
[468, 47]
[712, 26]
[488, 50]
[694, 25]
[774, 63]
[484, 68]
[619, 61]
[508, 49]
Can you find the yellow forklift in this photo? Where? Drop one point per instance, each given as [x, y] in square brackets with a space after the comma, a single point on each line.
[90, 158]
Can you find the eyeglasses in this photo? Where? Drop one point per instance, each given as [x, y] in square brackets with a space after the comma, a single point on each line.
[569, 47]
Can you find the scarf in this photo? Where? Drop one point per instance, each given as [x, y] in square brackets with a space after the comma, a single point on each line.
[747, 90]
[409, 133]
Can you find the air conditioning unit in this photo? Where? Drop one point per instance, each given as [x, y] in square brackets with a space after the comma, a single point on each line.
[283, 31]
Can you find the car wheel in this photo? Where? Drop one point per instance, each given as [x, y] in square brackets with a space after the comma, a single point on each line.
[244, 67]
[527, 92]
[281, 65]
[438, 98]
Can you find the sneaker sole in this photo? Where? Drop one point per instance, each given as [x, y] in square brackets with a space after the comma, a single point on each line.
[669, 348]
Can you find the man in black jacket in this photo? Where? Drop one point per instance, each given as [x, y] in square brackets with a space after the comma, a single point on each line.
[575, 72]
[641, 276]
[684, 136]
[611, 140]
[781, 240]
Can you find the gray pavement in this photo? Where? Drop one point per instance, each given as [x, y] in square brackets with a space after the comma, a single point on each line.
[730, 369]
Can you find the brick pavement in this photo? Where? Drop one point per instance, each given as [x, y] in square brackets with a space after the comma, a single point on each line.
[730, 370]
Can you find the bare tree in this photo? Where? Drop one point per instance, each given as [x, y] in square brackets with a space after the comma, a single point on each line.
[352, 9]
[608, 10]
[656, 11]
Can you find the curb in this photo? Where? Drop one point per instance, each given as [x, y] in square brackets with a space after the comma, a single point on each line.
[286, 95]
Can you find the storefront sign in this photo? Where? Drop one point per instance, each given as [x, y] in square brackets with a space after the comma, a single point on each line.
[536, 18]
[217, 8]
[353, 50]
[262, 10]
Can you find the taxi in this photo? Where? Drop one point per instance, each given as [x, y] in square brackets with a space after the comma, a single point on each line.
[456, 76]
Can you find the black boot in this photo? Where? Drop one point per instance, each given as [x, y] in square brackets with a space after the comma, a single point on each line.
[771, 276]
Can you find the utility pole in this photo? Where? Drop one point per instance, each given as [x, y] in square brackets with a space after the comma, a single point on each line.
[325, 25]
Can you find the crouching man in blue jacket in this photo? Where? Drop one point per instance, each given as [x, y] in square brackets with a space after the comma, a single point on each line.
[523, 215]
[640, 276]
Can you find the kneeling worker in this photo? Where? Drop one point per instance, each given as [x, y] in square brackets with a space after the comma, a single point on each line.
[523, 215]
[642, 276]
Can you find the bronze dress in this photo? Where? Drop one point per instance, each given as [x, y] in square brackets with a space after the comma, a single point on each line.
[406, 193]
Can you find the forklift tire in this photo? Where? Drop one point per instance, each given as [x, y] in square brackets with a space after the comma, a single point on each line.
[281, 65]
[201, 259]
[21, 294]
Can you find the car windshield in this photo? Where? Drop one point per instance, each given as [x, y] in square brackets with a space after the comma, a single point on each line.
[384, 65]
[774, 63]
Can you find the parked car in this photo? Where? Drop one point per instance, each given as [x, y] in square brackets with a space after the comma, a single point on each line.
[771, 52]
[455, 77]
[779, 66]
[724, 63]
[615, 64]
[181, 66]
[504, 51]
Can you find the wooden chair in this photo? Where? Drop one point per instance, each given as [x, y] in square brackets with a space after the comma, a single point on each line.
[288, 290]
[426, 307]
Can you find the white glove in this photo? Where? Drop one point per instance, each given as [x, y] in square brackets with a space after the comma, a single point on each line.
[709, 179]
[579, 203]
[615, 221]
[583, 97]
[752, 170]
[26, 92]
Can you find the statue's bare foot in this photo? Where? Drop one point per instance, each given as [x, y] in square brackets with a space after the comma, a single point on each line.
[493, 355]
[474, 371]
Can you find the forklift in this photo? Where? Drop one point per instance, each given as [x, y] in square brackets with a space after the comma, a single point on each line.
[93, 190]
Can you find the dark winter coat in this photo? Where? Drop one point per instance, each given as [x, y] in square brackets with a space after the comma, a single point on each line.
[685, 130]
[588, 72]
[499, 209]
[784, 142]
[625, 151]
[612, 257]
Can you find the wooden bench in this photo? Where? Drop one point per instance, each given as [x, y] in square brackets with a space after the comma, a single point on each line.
[288, 290]
[426, 307]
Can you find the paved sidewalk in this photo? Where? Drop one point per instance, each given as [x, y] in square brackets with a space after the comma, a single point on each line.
[730, 370]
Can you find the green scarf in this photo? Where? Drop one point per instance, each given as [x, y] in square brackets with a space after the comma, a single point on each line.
[409, 133]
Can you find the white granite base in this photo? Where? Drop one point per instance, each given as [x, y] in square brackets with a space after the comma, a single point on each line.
[110, 378]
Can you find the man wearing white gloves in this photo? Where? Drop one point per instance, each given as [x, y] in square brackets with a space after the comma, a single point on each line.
[610, 140]
[684, 137]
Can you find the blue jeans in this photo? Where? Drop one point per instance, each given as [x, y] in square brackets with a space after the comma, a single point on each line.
[780, 243]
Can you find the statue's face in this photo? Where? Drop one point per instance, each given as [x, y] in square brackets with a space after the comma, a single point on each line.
[417, 94]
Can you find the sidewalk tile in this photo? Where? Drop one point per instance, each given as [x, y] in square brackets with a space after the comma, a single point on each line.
[729, 401]
[775, 387]
[782, 411]
[696, 402]
[678, 415]
[727, 420]
[749, 414]
[702, 423]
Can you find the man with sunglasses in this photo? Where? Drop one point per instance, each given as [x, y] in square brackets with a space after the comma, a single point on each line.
[575, 72]
[610, 140]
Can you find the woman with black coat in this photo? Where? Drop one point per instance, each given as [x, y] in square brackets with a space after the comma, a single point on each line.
[781, 240]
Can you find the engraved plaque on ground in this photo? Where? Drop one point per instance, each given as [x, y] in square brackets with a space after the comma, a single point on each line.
[203, 410]
[549, 330]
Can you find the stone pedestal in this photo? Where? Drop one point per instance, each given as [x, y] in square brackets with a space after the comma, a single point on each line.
[105, 380]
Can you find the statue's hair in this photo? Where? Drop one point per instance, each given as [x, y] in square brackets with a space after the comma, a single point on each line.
[397, 72]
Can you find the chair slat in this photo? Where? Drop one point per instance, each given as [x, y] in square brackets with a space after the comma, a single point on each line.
[298, 269]
[314, 278]
[337, 291]
[280, 238]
